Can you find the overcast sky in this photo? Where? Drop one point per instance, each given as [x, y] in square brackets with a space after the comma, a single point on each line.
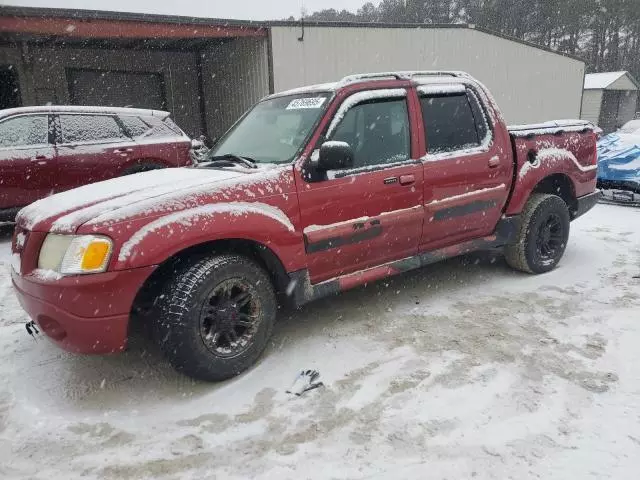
[241, 9]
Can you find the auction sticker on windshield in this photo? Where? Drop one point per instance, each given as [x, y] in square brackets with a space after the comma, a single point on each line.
[303, 103]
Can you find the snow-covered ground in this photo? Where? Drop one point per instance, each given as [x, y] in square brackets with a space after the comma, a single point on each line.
[462, 370]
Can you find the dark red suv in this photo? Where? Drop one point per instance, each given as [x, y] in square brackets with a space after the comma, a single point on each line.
[46, 150]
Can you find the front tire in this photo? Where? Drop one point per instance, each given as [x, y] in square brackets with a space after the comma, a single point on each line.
[215, 316]
[543, 235]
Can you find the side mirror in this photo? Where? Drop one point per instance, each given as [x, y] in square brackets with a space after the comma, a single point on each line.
[335, 156]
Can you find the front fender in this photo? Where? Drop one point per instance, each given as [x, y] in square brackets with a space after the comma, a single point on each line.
[164, 237]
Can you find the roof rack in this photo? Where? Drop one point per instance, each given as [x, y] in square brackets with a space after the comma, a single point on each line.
[401, 75]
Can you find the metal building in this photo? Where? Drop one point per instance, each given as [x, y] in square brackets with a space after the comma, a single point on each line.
[207, 72]
[610, 99]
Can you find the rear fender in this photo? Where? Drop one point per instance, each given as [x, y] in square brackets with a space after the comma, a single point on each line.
[167, 236]
[534, 167]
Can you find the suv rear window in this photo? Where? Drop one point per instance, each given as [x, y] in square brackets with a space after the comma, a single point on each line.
[134, 125]
[24, 131]
[89, 128]
[161, 128]
[450, 123]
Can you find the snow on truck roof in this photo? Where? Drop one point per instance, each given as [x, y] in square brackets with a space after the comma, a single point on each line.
[421, 77]
[83, 109]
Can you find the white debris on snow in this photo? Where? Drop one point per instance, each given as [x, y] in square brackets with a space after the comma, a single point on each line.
[475, 372]
[187, 217]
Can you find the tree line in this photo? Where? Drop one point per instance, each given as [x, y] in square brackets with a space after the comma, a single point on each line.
[604, 33]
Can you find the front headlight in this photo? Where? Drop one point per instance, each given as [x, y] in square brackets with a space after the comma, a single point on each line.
[75, 255]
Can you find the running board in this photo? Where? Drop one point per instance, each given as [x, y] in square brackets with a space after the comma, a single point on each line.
[302, 291]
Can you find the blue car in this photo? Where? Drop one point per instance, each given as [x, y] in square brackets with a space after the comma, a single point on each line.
[619, 161]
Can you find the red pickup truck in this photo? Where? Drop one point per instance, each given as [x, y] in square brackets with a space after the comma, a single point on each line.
[312, 192]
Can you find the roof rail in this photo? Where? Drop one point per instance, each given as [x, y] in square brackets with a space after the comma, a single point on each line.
[400, 75]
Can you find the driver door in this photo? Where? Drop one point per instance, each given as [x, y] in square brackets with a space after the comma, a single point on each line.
[372, 213]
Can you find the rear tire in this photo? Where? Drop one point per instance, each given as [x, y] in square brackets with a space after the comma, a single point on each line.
[543, 235]
[215, 316]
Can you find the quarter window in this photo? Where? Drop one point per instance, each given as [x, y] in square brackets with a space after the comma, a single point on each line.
[24, 131]
[89, 128]
[378, 132]
[450, 123]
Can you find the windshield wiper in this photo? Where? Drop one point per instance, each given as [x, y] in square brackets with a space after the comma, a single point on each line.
[230, 160]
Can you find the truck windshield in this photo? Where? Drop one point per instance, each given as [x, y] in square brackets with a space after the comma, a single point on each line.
[275, 129]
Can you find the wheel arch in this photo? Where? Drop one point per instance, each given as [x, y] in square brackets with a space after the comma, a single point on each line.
[257, 251]
[561, 185]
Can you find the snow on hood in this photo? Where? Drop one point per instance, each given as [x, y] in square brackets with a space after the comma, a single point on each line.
[121, 198]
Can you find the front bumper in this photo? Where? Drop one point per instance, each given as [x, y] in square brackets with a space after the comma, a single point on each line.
[83, 314]
[587, 202]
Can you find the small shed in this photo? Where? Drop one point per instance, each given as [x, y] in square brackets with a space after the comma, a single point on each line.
[610, 99]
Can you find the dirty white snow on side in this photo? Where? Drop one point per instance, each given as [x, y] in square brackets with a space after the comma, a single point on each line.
[187, 217]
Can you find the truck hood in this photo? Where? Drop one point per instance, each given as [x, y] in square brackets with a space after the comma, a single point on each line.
[142, 195]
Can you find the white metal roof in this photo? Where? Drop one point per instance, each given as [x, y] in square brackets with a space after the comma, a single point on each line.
[605, 80]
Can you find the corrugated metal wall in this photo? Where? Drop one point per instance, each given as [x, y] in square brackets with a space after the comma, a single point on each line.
[43, 75]
[235, 75]
[591, 103]
[530, 84]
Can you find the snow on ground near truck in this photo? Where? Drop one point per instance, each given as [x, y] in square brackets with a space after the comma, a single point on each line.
[463, 369]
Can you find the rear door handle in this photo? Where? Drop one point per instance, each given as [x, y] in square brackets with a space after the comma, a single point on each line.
[494, 162]
[39, 157]
[407, 179]
[123, 150]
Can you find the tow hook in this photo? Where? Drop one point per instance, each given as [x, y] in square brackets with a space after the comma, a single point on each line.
[32, 329]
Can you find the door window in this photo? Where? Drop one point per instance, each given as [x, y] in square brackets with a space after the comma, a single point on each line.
[24, 131]
[89, 128]
[452, 122]
[378, 131]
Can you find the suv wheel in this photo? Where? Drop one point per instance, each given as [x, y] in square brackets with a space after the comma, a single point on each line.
[215, 316]
[543, 235]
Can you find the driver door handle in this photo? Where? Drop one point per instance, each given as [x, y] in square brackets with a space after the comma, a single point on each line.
[123, 150]
[407, 179]
[494, 162]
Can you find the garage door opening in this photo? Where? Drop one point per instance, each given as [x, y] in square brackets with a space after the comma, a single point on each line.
[9, 87]
[108, 88]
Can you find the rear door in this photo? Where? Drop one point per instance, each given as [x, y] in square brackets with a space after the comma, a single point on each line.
[467, 172]
[372, 213]
[28, 169]
[90, 148]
